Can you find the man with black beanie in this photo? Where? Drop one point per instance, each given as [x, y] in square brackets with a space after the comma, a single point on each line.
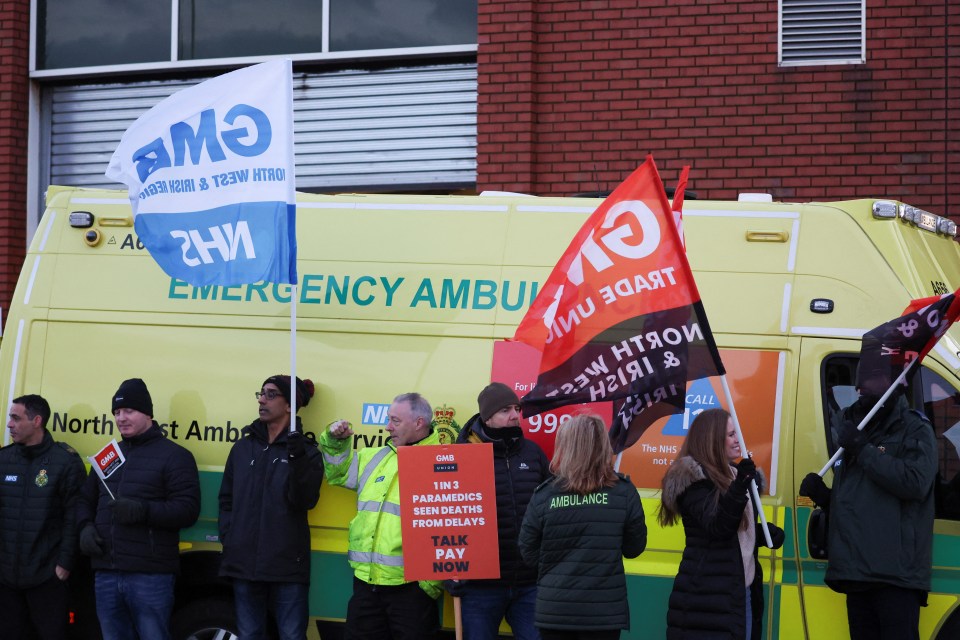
[271, 480]
[881, 506]
[519, 467]
[130, 522]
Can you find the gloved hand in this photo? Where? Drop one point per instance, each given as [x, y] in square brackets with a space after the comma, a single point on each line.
[746, 471]
[295, 445]
[850, 438]
[129, 511]
[857, 411]
[816, 489]
[777, 536]
[455, 588]
[91, 543]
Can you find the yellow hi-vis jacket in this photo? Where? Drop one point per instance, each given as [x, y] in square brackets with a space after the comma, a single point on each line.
[375, 548]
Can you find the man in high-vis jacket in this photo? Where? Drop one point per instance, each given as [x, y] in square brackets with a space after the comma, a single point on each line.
[384, 605]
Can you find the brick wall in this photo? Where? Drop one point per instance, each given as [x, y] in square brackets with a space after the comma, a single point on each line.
[574, 94]
[14, 61]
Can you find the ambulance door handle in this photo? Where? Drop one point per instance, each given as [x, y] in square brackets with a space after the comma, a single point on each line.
[768, 236]
[115, 221]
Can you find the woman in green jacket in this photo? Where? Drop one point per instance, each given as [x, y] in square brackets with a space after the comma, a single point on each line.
[578, 527]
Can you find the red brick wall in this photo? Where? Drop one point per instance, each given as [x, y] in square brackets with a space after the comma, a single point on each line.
[574, 94]
[14, 64]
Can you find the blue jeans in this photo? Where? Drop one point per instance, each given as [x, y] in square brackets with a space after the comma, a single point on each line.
[286, 600]
[134, 606]
[483, 607]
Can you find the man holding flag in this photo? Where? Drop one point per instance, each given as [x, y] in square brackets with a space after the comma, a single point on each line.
[130, 521]
[881, 507]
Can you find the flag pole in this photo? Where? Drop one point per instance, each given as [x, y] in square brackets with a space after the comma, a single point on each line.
[293, 357]
[870, 414]
[743, 448]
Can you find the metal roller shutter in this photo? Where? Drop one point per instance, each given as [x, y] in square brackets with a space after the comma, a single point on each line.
[399, 128]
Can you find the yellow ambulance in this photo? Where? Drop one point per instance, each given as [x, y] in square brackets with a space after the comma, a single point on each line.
[419, 293]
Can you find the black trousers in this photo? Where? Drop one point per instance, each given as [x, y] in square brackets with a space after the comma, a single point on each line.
[884, 613]
[404, 612]
[41, 609]
[563, 634]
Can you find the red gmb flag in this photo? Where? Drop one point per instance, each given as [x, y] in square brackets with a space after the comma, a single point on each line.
[620, 318]
[106, 461]
[888, 349]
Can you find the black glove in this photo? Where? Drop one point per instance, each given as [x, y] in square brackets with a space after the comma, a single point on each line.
[850, 438]
[91, 543]
[128, 511]
[816, 489]
[455, 588]
[857, 411]
[746, 471]
[777, 536]
[296, 448]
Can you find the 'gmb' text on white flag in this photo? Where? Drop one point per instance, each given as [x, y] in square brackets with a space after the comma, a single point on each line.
[211, 178]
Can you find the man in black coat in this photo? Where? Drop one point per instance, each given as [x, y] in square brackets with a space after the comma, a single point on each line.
[130, 522]
[519, 467]
[38, 535]
[271, 480]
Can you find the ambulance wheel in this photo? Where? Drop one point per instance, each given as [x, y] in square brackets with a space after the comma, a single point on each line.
[951, 628]
[205, 619]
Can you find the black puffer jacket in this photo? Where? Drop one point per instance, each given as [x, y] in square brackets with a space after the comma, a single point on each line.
[519, 466]
[38, 498]
[882, 506]
[161, 474]
[578, 544]
[264, 500]
[708, 597]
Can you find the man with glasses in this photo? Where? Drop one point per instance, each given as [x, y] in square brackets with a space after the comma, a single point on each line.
[271, 480]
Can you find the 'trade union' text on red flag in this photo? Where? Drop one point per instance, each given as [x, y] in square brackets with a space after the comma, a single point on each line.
[888, 349]
[620, 317]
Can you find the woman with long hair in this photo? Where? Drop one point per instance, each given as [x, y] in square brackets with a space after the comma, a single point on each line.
[578, 527]
[718, 591]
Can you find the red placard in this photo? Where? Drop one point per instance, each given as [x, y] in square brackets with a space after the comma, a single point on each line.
[448, 512]
[515, 365]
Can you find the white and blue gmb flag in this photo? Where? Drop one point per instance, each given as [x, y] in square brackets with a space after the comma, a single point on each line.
[210, 175]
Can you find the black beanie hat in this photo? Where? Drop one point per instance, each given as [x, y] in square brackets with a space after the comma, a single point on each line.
[133, 394]
[305, 388]
[495, 396]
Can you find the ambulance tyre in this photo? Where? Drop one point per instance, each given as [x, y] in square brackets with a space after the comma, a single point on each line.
[205, 619]
[951, 628]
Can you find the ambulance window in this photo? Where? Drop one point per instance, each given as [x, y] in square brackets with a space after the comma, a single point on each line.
[839, 392]
[941, 404]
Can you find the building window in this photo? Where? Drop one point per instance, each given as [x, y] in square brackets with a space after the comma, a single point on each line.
[72, 34]
[815, 32]
[396, 24]
[239, 28]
